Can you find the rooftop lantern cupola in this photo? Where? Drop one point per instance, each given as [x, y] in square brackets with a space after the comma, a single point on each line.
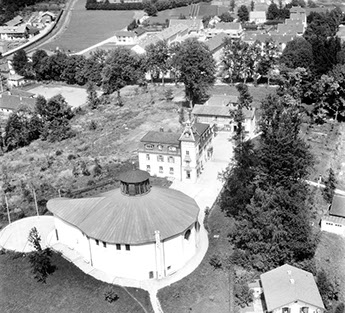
[135, 182]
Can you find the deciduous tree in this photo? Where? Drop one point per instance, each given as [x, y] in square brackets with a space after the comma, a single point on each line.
[121, 68]
[243, 13]
[20, 62]
[196, 68]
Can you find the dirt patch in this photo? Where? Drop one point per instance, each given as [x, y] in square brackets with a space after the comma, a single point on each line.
[74, 96]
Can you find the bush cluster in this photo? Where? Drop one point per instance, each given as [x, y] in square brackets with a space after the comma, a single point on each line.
[160, 5]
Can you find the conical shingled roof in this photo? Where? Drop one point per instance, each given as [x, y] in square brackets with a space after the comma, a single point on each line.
[116, 218]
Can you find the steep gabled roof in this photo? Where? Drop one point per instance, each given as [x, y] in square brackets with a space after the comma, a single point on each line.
[13, 103]
[216, 42]
[287, 284]
[338, 206]
[161, 137]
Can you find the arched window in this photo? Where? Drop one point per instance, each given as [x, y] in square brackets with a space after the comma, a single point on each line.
[187, 234]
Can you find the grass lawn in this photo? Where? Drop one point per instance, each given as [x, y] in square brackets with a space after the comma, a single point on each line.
[174, 13]
[205, 290]
[87, 28]
[68, 290]
[330, 256]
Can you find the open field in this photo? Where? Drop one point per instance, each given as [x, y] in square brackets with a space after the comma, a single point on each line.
[87, 28]
[75, 96]
[68, 290]
[206, 290]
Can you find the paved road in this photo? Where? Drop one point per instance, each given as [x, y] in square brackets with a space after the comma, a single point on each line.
[59, 28]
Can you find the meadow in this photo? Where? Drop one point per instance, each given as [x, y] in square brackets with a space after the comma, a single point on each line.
[67, 290]
[87, 28]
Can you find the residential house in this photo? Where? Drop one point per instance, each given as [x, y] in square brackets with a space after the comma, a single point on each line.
[257, 17]
[12, 33]
[217, 111]
[298, 14]
[47, 17]
[10, 103]
[15, 21]
[233, 30]
[291, 27]
[214, 21]
[179, 155]
[334, 221]
[32, 31]
[15, 80]
[216, 46]
[288, 289]
[123, 37]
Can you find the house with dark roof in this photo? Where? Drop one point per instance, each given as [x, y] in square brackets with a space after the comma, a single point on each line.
[334, 220]
[179, 155]
[218, 111]
[137, 231]
[288, 289]
[216, 46]
[13, 32]
[10, 103]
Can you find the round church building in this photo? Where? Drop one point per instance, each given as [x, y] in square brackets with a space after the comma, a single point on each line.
[137, 231]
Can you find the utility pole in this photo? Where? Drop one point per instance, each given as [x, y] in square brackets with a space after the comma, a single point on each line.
[33, 191]
[8, 210]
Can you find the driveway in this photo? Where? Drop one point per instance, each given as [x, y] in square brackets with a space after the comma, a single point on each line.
[205, 191]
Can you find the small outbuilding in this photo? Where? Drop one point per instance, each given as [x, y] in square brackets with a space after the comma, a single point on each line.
[334, 221]
[288, 289]
[137, 231]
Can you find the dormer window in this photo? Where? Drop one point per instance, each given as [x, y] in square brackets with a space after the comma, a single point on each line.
[187, 134]
[160, 147]
[171, 148]
[149, 146]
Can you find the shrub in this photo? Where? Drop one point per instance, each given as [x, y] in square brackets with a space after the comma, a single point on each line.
[71, 157]
[111, 296]
[58, 152]
[216, 262]
[168, 93]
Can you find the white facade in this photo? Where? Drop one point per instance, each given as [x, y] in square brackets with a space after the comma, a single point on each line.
[335, 225]
[161, 165]
[297, 307]
[156, 259]
[182, 158]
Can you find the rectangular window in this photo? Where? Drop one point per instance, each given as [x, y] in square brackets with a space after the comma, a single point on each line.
[118, 246]
[97, 242]
[104, 244]
[188, 174]
[151, 274]
[161, 169]
[148, 168]
[171, 171]
[147, 157]
[171, 160]
[187, 152]
[128, 247]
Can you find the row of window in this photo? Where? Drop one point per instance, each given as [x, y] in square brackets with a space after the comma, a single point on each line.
[118, 246]
[338, 225]
[160, 158]
[160, 169]
[304, 309]
[150, 146]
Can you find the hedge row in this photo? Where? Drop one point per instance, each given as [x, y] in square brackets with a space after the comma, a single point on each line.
[160, 5]
[93, 5]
